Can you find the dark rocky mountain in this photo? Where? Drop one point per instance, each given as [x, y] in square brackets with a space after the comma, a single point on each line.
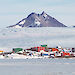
[39, 20]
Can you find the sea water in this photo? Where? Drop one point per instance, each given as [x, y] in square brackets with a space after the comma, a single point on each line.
[52, 66]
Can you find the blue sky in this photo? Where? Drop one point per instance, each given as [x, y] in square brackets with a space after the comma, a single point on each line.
[12, 11]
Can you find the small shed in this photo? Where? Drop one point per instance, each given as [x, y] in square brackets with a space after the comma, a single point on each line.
[15, 50]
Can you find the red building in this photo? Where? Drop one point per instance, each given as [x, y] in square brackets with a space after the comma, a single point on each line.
[66, 54]
[41, 48]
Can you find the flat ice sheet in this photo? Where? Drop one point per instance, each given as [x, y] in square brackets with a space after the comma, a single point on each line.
[53, 66]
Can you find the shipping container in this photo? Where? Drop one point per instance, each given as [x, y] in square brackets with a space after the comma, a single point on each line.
[54, 49]
[45, 54]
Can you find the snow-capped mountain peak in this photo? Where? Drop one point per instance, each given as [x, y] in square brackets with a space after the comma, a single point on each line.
[39, 20]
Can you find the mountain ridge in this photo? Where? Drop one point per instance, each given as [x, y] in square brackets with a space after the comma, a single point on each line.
[38, 20]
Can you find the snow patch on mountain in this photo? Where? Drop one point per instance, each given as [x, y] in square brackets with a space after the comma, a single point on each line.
[37, 22]
[22, 22]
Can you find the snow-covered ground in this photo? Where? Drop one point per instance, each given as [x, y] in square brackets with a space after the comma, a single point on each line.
[30, 37]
